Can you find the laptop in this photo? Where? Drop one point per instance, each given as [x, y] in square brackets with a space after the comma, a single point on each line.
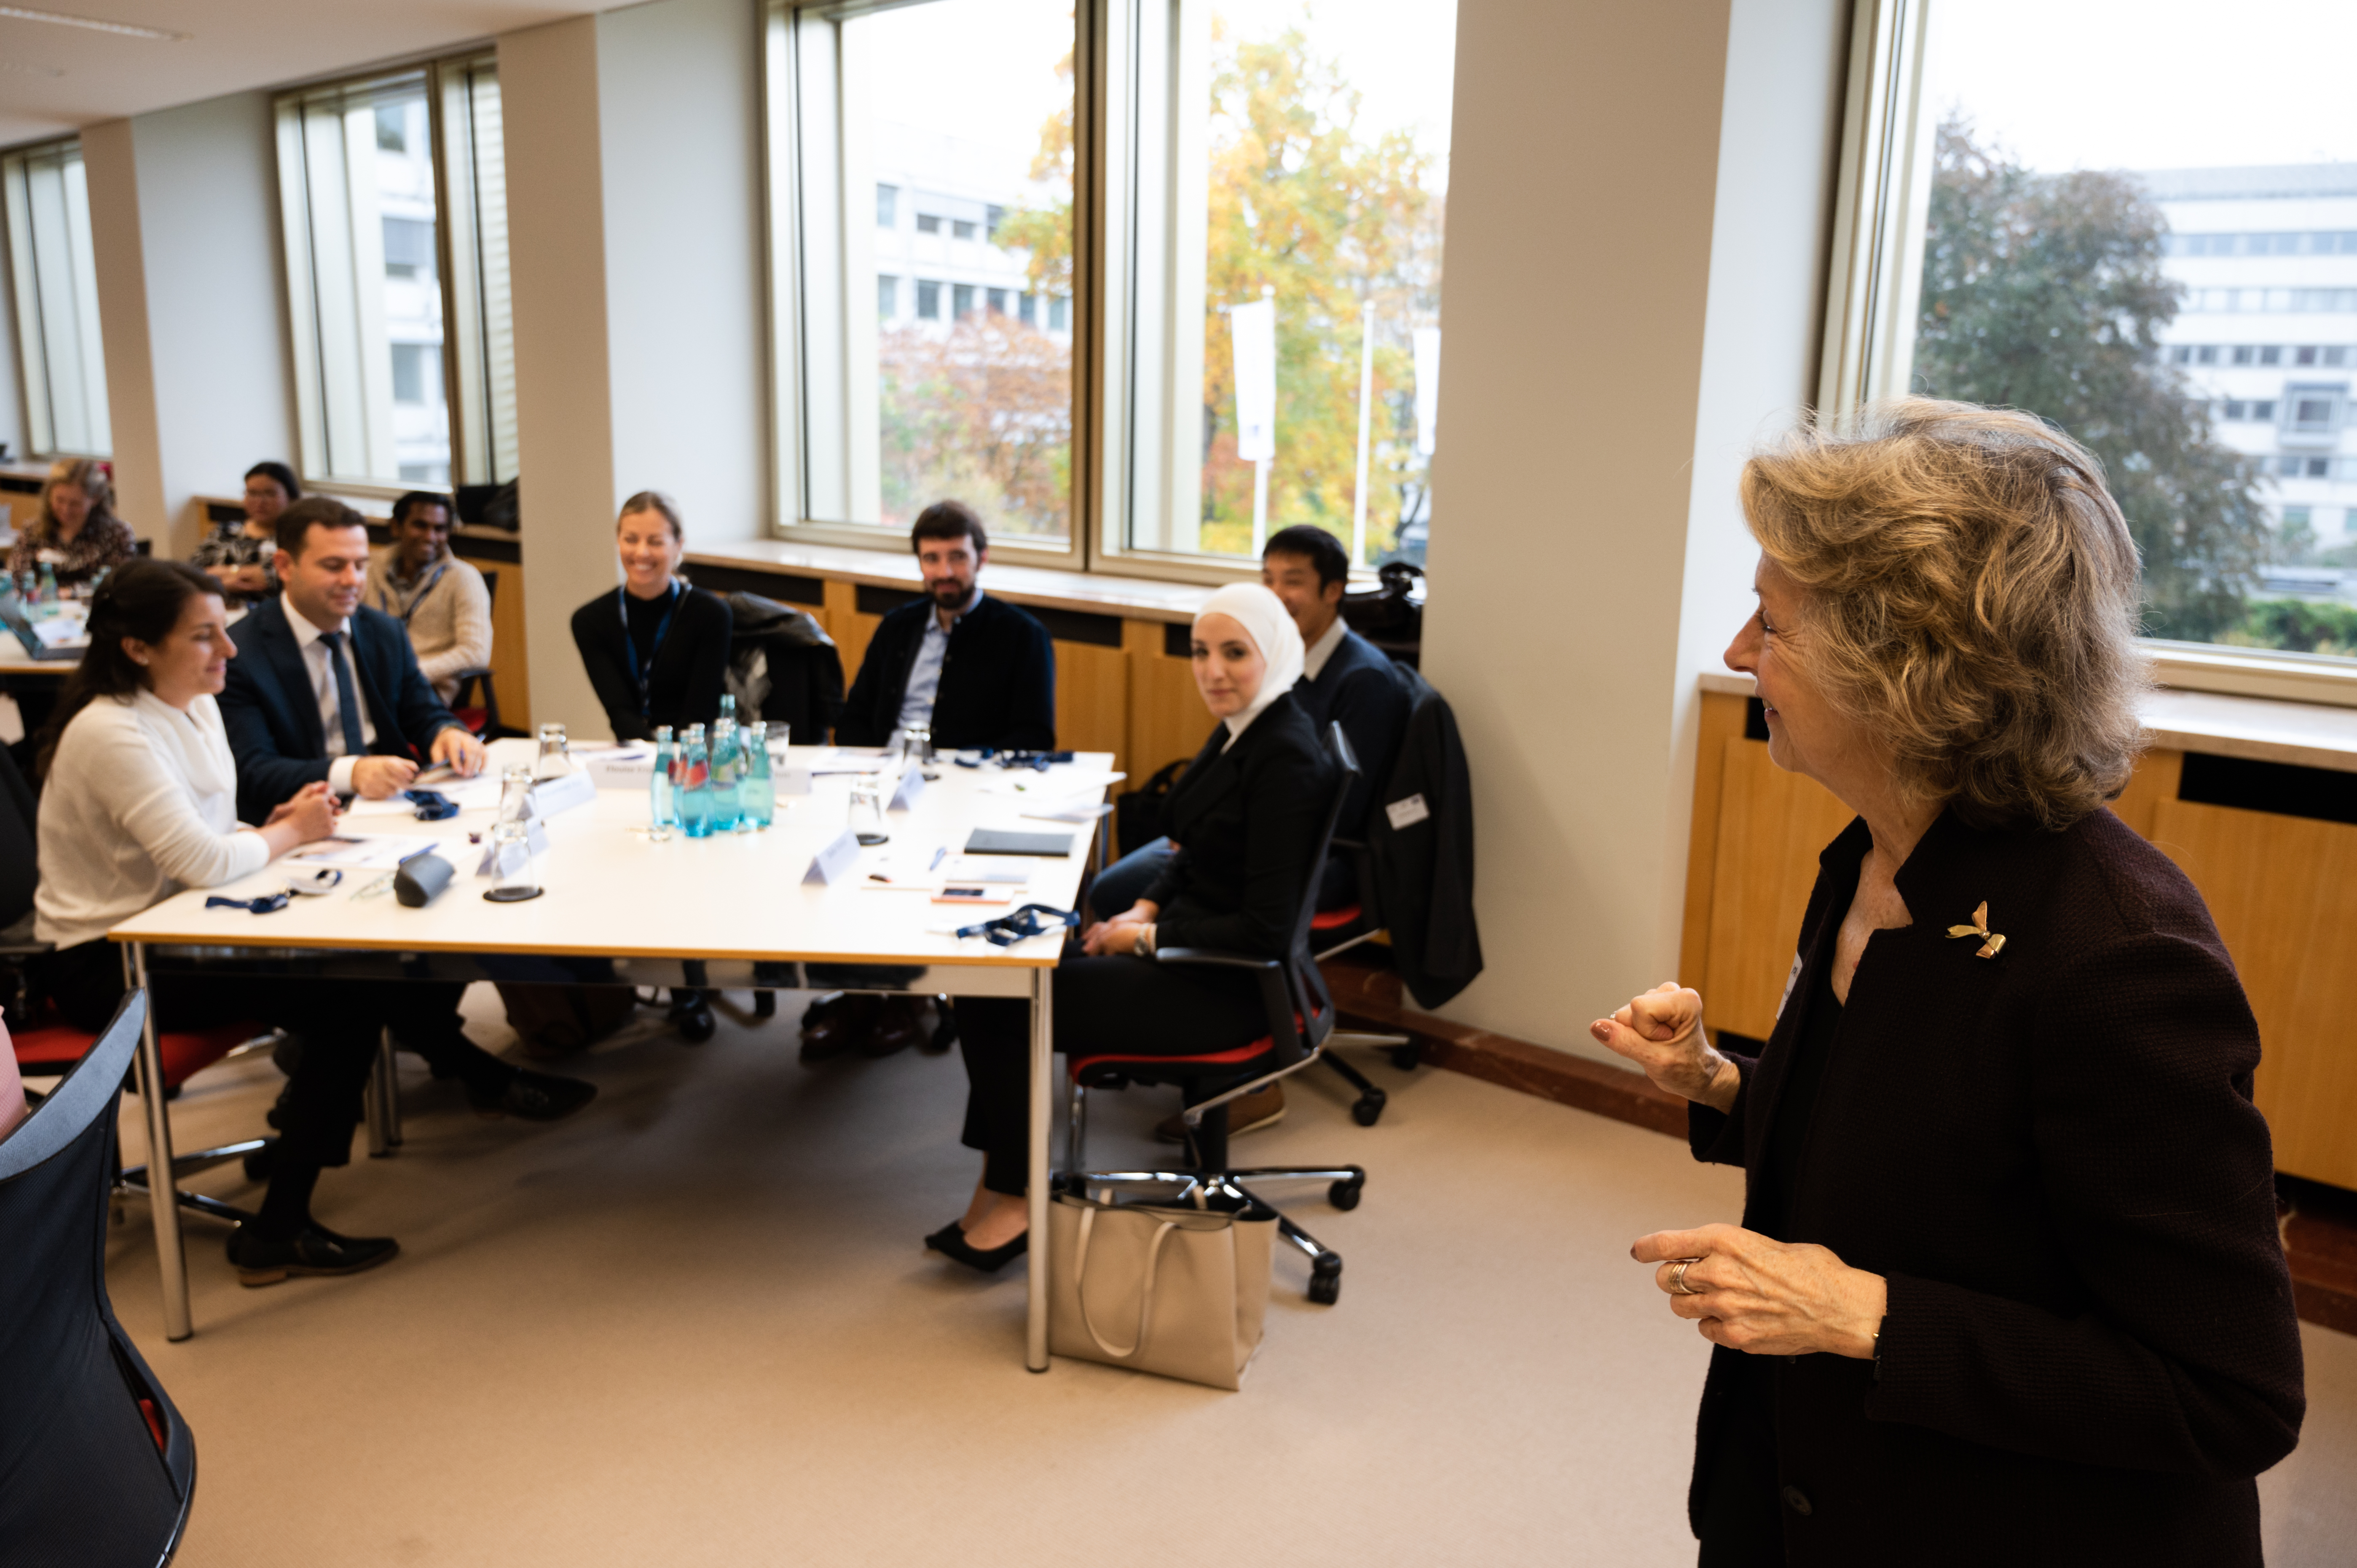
[64, 649]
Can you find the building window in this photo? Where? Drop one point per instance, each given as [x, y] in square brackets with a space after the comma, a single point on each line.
[888, 201]
[887, 296]
[928, 223]
[1027, 308]
[960, 229]
[54, 279]
[1980, 270]
[960, 301]
[1059, 314]
[993, 216]
[374, 314]
[928, 300]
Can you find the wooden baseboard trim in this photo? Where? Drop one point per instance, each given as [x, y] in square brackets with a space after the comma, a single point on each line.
[2320, 1232]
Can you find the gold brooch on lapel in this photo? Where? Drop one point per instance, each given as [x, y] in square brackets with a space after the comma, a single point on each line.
[1991, 943]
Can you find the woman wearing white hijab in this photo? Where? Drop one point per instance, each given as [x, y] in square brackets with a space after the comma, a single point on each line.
[1249, 811]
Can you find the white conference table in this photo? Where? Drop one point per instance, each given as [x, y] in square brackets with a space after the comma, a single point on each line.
[619, 908]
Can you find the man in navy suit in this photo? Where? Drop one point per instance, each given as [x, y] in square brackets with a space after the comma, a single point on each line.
[327, 689]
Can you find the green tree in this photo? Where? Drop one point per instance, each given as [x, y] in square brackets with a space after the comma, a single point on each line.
[2046, 292]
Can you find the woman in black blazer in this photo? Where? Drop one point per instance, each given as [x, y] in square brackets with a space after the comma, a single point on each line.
[1249, 811]
[656, 649]
[2007, 1284]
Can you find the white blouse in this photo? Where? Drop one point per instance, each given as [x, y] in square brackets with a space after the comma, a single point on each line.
[141, 801]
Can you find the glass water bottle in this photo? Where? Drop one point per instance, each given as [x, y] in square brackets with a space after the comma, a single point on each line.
[694, 795]
[727, 769]
[756, 797]
[662, 815]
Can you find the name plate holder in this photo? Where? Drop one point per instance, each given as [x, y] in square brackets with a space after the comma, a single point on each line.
[835, 860]
[562, 793]
[905, 793]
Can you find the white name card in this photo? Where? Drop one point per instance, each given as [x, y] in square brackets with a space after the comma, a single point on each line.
[790, 781]
[536, 843]
[562, 793]
[833, 860]
[1406, 813]
[904, 795]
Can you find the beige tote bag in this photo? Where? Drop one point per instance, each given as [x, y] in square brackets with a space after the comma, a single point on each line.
[1179, 1292]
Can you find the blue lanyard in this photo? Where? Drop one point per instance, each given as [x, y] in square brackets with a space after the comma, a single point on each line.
[645, 678]
[419, 597]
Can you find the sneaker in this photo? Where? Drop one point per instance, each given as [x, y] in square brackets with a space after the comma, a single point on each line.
[1260, 1108]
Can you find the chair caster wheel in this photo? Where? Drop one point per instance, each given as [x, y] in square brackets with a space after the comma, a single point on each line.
[1407, 1058]
[765, 1005]
[1368, 1109]
[694, 1020]
[1344, 1194]
[1326, 1279]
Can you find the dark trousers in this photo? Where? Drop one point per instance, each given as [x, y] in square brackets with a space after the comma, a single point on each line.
[1742, 1511]
[338, 1021]
[1127, 1005]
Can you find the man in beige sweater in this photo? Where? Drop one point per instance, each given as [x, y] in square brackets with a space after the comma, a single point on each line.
[440, 599]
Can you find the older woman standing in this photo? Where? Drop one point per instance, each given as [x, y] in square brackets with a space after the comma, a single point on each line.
[2007, 1282]
[77, 534]
[1249, 810]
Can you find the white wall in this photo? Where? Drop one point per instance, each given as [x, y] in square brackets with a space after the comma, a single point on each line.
[634, 212]
[1635, 222]
[184, 216]
[12, 369]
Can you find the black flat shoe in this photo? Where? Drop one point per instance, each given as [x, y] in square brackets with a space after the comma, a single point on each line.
[315, 1250]
[532, 1096]
[691, 1014]
[949, 1243]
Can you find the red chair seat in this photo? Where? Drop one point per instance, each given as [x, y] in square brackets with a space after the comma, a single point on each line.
[1213, 1058]
[54, 1047]
[1334, 919]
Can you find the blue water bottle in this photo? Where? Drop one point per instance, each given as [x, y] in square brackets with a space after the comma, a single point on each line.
[727, 768]
[663, 816]
[694, 795]
[48, 591]
[756, 797]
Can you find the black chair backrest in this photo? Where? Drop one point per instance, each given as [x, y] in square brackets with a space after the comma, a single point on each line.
[783, 668]
[96, 1465]
[1311, 1002]
[18, 842]
[491, 576]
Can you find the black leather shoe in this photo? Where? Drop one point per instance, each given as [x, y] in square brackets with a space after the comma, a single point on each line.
[949, 1243]
[895, 1028]
[316, 1250]
[841, 1027]
[532, 1096]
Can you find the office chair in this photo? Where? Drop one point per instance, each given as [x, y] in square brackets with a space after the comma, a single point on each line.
[1347, 927]
[1300, 1025]
[101, 1467]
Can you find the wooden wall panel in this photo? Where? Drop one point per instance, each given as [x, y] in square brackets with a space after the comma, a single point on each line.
[1722, 721]
[1167, 720]
[849, 629]
[1093, 698]
[2278, 888]
[1772, 826]
[509, 671]
[2155, 780]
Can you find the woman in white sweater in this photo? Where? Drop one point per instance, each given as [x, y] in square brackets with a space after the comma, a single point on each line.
[138, 801]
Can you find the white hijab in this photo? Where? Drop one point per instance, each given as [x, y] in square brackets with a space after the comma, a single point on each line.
[1269, 624]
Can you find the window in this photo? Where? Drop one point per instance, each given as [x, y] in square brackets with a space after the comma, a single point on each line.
[1283, 285]
[1027, 308]
[879, 418]
[887, 296]
[55, 284]
[888, 199]
[2052, 231]
[364, 168]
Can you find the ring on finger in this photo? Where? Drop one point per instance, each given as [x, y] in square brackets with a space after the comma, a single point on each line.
[1678, 1285]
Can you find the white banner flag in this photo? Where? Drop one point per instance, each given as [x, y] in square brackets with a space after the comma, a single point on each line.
[1254, 327]
[1427, 389]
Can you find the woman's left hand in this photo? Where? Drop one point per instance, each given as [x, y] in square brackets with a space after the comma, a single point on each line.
[1116, 936]
[1767, 1298]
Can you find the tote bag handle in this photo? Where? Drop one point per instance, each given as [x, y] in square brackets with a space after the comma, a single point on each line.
[1146, 1295]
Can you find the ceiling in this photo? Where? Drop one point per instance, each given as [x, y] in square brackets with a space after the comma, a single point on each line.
[55, 78]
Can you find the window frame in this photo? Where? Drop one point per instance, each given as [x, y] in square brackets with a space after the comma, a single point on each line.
[1874, 288]
[466, 292]
[32, 351]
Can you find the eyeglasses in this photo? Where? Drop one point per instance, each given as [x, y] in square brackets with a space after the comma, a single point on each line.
[1032, 920]
[269, 904]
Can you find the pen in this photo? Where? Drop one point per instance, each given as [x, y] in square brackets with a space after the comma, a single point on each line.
[938, 855]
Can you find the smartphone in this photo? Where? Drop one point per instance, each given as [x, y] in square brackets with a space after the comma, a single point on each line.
[966, 893]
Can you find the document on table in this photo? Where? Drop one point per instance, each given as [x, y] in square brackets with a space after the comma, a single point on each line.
[355, 852]
[479, 793]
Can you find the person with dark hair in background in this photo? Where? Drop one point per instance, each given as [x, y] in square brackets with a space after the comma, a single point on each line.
[441, 601]
[656, 648]
[1345, 679]
[140, 802]
[328, 693]
[76, 534]
[977, 671]
[240, 558]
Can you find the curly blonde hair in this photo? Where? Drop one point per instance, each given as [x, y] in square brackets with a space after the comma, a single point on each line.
[1970, 592]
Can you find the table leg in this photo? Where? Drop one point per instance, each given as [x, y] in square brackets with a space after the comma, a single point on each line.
[1043, 1102]
[163, 1189]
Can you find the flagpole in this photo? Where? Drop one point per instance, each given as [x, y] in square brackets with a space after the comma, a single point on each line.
[1366, 420]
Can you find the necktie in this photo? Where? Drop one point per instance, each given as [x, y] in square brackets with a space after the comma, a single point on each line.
[348, 702]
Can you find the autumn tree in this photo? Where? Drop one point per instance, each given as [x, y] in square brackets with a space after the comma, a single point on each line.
[2046, 292]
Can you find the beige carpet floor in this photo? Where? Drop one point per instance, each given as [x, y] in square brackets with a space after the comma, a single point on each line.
[694, 1326]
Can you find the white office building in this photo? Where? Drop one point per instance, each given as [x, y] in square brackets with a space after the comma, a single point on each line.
[939, 200]
[2268, 329]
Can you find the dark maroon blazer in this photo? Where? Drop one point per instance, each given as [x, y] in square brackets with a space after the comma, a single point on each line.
[2053, 1157]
